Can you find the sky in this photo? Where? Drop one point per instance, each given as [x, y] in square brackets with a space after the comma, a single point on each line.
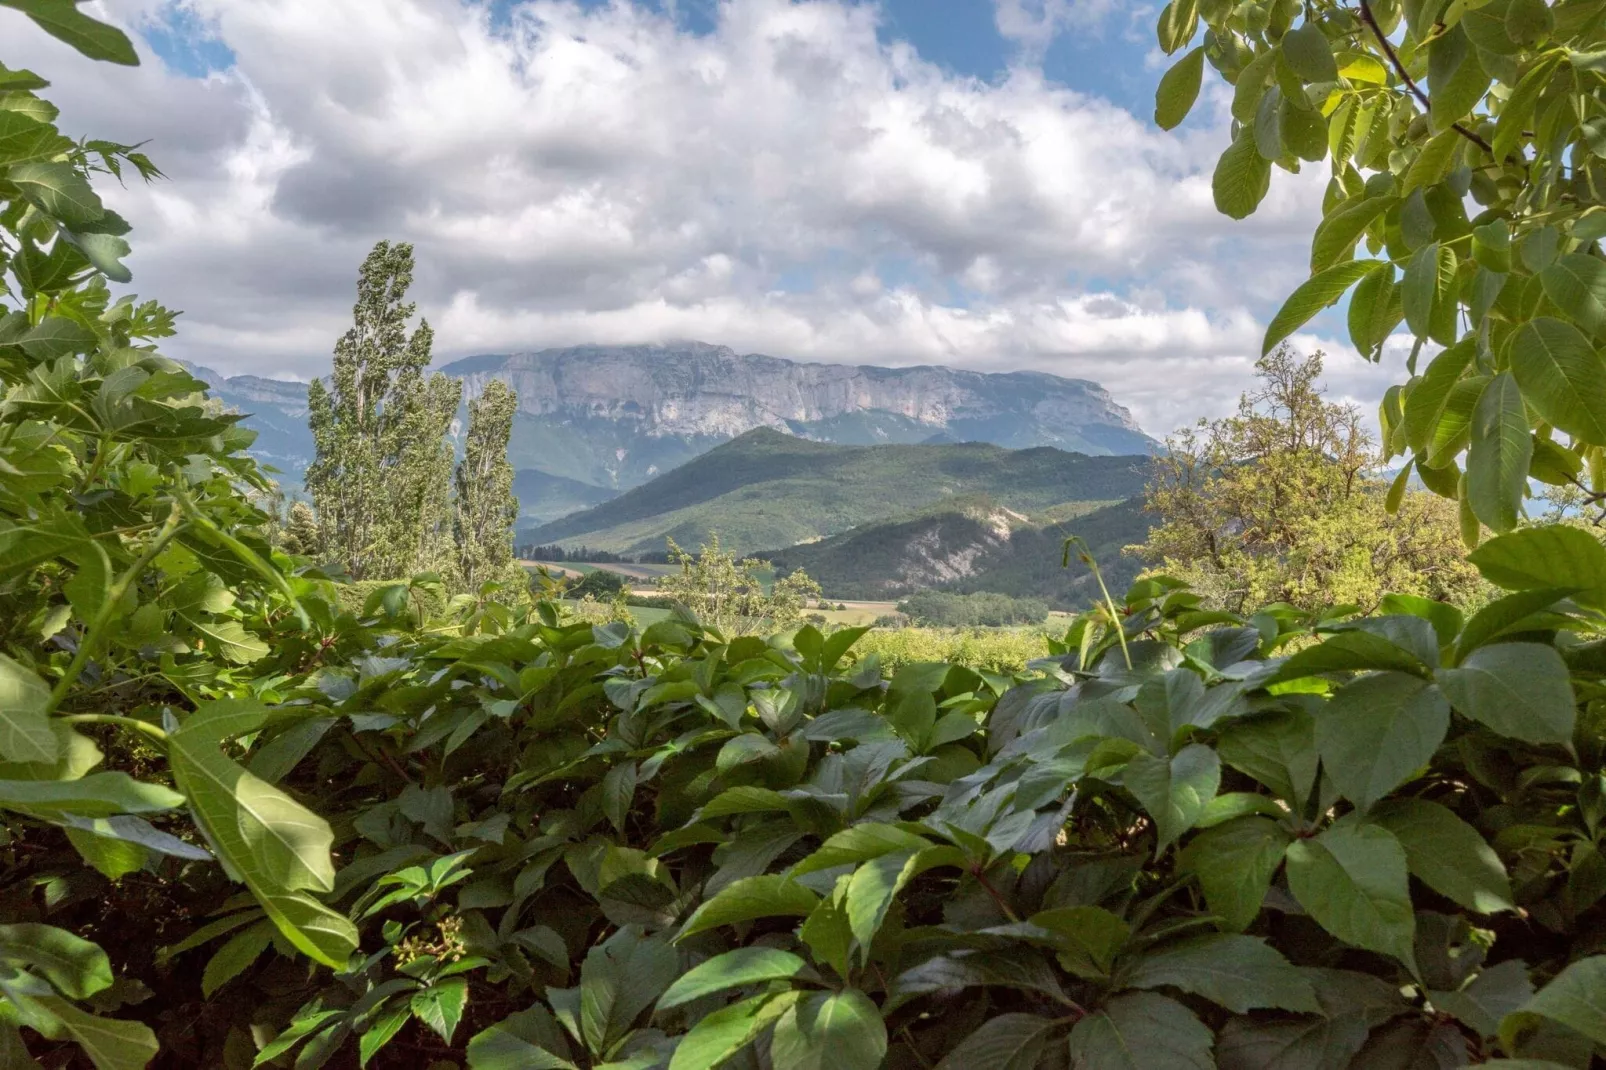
[973, 183]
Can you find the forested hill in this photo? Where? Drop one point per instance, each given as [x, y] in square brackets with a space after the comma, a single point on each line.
[764, 490]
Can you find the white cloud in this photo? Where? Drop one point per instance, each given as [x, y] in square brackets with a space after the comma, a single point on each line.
[786, 184]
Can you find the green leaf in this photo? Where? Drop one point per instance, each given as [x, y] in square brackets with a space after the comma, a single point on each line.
[1241, 973]
[1576, 283]
[1178, 23]
[1304, 1044]
[1502, 448]
[621, 977]
[728, 1030]
[1174, 791]
[1426, 403]
[1335, 238]
[860, 843]
[96, 795]
[56, 336]
[1308, 53]
[1377, 731]
[75, 966]
[440, 1006]
[1456, 80]
[1520, 690]
[1314, 294]
[830, 1031]
[62, 20]
[58, 190]
[1141, 1031]
[749, 898]
[1352, 651]
[1374, 310]
[233, 957]
[744, 966]
[1354, 881]
[1551, 555]
[1241, 178]
[1277, 749]
[1004, 1042]
[25, 732]
[263, 837]
[110, 1043]
[1576, 998]
[1488, 998]
[527, 1040]
[229, 640]
[1447, 854]
[1433, 163]
[1561, 375]
[877, 882]
[1085, 938]
[1179, 88]
[1234, 864]
[1508, 612]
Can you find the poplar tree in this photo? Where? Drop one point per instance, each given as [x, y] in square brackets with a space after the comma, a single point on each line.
[486, 508]
[382, 475]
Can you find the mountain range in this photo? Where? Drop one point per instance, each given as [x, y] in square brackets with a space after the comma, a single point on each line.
[596, 421]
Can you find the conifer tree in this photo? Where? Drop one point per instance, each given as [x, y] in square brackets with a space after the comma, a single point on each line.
[486, 508]
[301, 535]
[382, 475]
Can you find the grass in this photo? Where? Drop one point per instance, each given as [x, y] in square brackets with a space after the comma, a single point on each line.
[997, 649]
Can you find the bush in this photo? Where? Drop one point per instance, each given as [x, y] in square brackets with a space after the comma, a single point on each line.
[944, 609]
[600, 584]
[994, 649]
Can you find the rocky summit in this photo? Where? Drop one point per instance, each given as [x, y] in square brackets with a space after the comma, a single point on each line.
[594, 421]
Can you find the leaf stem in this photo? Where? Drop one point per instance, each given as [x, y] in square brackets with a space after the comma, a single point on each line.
[114, 597]
[155, 733]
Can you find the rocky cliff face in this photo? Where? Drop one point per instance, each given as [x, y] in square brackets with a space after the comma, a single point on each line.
[695, 390]
[610, 418]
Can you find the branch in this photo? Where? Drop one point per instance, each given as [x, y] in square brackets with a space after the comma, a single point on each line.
[1410, 83]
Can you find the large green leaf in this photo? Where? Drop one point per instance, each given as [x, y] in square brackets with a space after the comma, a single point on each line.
[1320, 291]
[1377, 731]
[1309, 54]
[1174, 790]
[1576, 283]
[266, 839]
[621, 977]
[1241, 178]
[110, 1043]
[1484, 1002]
[728, 1030]
[1552, 555]
[527, 1040]
[858, 844]
[767, 896]
[1278, 749]
[1086, 938]
[1179, 88]
[1234, 864]
[25, 733]
[1003, 1042]
[1561, 376]
[1141, 1031]
[1447, 854]
[58, 190]
[96, 795]
[877, 882]
[1354, 881]
[1303, 1044]
[1576, 998]
[62, 19]
[1241, 973]
[1335, 238]
[441, 1005]
[1502, 448]
[237, 954]
[75, 966]
[733, 969]
[1425, 404]
[1521, 690]
[830, 1031]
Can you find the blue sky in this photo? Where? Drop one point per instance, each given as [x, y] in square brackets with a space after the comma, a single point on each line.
[967, 182]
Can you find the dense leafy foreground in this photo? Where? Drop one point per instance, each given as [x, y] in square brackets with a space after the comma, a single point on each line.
[258, 830]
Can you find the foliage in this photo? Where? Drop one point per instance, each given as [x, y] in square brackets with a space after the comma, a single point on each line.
[1417, 105]
[987, 609]
[736, 597]
[485, 509]
[1006, 650]
[598, 583]
[1277, 504]
[381, 480]
[765, 491]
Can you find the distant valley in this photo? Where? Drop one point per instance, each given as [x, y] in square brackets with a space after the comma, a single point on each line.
[596, 421]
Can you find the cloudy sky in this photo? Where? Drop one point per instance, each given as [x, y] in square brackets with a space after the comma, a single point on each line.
[976, 183]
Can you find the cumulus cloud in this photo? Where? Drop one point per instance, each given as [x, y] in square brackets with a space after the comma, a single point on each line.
[788, 183]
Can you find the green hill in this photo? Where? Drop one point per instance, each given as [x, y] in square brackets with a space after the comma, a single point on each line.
[766, 489]
[975, 545]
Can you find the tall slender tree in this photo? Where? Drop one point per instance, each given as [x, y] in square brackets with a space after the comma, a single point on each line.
[486, 508]
[382, 475]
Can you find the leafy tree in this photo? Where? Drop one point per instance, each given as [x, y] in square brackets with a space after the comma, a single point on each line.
[381, 479]
[486, 509]
[1418, 105]
[598, 583]
[733, 596]
[1276, 504]
[945, 609]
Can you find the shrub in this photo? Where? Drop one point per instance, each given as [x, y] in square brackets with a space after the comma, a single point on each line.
[944, 609]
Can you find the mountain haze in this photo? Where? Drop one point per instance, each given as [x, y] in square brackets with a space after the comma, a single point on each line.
[594, 421]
